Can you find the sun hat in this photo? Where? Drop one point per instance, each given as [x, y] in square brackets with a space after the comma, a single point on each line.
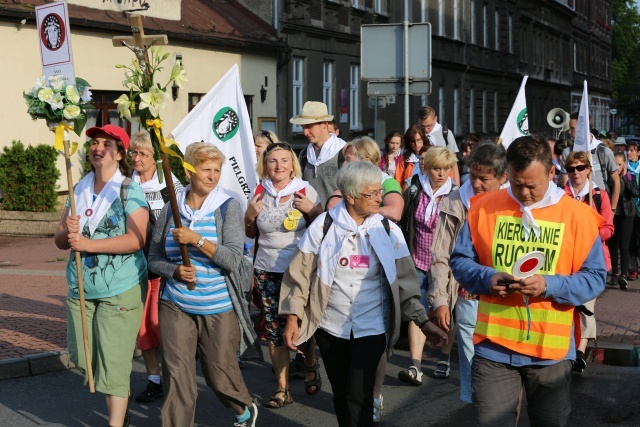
[312, 112]
[620, 141]
[113, 131]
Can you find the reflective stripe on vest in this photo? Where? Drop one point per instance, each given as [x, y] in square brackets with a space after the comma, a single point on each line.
[566, 238]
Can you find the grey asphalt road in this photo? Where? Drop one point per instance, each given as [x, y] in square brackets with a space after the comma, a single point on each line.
[603, 396]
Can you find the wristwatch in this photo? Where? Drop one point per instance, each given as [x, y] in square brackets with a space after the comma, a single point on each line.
[200, 242]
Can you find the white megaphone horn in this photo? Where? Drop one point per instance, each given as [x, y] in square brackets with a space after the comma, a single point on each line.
[559, 120]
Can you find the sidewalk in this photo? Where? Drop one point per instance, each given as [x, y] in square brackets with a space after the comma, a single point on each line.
[33, 316]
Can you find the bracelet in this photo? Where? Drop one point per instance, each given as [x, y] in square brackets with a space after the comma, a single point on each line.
[544, 293]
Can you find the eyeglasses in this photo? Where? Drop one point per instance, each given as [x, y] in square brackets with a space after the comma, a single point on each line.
[281, 145]
[579, 168]
[267, 135]
[374, 193]
[142, 155]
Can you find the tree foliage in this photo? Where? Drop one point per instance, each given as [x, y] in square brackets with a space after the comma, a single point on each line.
[625, 35]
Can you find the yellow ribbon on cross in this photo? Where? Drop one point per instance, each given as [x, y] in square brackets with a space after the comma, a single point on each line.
[59, 141]
[164, 144]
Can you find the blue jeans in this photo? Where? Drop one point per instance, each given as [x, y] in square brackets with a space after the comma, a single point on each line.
[466, 312]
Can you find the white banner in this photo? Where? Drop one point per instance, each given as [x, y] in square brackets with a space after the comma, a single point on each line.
[582, 141]
[517, 124]
[221, 118]
[54, 37]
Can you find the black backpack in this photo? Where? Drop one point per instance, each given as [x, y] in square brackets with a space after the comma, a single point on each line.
[328, 221]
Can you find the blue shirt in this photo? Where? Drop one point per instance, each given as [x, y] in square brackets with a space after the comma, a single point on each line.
[576, 289]
[211, 295]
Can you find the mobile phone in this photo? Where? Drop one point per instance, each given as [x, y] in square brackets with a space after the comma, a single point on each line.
[506, 282]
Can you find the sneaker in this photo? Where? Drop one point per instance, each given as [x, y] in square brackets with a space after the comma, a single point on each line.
[251, 421]
[580, 363]
[153, 391]
[633, 275]
[412, 375]
[377, 409]
[622, 281]
[613, 280]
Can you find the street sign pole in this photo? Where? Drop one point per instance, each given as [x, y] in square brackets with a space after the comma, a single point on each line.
[406, 64]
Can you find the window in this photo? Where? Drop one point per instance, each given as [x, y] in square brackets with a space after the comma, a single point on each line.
[357, 3]
[327, 85]
[485, 27]
[354, 97]
[378, 6]
[472, 106]
[473, 21]
[496, 120]
[441, 104]
[297, 90]
[456, 19]
[510, 33]
[485, 111]
[441, 31]
[456, 110]
[105, 111]
[497, 30]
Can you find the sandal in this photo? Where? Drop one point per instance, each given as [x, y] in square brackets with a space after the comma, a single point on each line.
[276, 402]
[315, 382]
[412, 375]
[441, 373]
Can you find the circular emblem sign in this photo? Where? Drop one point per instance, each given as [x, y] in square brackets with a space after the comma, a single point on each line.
[225, 123]
[528, 265]
[523, 122]
[53, 31]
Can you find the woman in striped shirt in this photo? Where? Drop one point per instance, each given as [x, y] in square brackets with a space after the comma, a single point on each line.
[210, 316]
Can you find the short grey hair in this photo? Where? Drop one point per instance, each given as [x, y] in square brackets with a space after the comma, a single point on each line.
[354, 176]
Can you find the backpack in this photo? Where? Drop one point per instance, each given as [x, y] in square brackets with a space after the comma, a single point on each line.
[328, 220]
[303, 159]
[597, 200]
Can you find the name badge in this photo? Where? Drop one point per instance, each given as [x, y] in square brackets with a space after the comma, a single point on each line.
[156, 205]
[359, 261]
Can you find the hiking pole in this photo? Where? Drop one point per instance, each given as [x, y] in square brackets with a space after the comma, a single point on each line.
[83, 309]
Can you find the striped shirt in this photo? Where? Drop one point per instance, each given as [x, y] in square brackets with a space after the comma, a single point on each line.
[211, 295]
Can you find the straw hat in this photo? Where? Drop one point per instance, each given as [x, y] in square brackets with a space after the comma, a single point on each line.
[620, 141]
[312, 112]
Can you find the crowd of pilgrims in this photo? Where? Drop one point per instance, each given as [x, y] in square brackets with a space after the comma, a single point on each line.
[351, 199]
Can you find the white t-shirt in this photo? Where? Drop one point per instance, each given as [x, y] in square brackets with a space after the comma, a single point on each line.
[276, 244]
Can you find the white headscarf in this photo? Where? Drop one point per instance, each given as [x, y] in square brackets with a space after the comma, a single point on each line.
[214, 199]
[296, 184]
[583, 192]
[432, 135]
[432, 207]
[93, 210]
[151, 186]
[551, 197]
[328, 150]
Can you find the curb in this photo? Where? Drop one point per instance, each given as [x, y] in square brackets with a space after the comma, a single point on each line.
[35, 364]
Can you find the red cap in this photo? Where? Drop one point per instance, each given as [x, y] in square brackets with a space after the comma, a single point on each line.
[113, 131]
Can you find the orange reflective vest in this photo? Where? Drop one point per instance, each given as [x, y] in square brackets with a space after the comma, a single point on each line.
[568, 231]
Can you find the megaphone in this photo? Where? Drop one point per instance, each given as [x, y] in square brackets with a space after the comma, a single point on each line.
[558, 119]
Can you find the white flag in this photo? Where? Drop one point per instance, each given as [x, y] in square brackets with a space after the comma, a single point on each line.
[517, 124]
[582, 141]
[221, 118]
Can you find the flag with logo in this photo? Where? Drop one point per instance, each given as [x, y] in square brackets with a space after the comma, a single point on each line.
[517, 124]
[221, 118]
[582, 141]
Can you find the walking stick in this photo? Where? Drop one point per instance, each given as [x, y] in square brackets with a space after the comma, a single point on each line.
[83, 309]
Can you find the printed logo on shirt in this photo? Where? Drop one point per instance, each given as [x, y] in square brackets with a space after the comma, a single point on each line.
[509, 243]
[225, 123]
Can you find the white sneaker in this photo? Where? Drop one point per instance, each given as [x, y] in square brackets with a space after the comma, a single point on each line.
[377, 409]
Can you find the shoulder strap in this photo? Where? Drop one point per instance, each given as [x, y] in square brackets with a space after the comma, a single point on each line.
[600, 150]
[303, 159]
[123, 193]
[385, 224]
[327, 223]
[597, 200]
[445, 134]
[340, 158]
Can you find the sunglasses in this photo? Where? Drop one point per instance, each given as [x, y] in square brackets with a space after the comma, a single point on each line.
[579, 168]
[275, 145]
[266, 135]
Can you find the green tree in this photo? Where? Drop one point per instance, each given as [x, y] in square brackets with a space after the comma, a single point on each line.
[625, 39]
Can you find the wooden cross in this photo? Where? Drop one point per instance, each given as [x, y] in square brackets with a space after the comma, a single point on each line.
[139, 43]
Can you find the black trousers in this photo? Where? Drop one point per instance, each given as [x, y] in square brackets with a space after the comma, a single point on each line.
[351, 367]
[620, 240]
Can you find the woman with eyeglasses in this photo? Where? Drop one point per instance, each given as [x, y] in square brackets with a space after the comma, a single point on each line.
[419, 220]
[349, 282]
[282, 208]
[156, 194]
[262, 139]
[578, 167]
[414, 140]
